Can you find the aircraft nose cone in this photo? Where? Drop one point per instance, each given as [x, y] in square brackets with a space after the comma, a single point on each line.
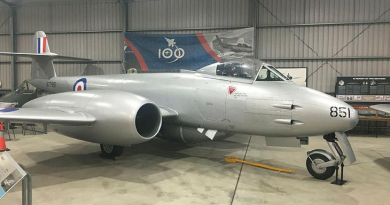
[319, 113]
[354, 117]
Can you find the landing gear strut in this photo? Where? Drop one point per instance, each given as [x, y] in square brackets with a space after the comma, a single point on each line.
[321, 164]
[111, 151]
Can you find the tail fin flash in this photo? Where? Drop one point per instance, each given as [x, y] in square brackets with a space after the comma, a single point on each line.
[42, 59]
[41, 46]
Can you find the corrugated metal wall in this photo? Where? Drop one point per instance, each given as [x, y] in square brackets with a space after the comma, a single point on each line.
[173, 14]
[91, 29]
[290, 32]
[311, 39]
[5, 66]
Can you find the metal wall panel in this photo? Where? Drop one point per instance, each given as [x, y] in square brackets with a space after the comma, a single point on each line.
[5, 75]
[287, 11]
[186, 31]
[5, 45]
[96, 46]
[69, 17]
[325, 79]
[326, 40]
[33, 18]
[72, 69]
[23, 70]
[104, 16]
[84, 16]
[322, 11]
[4, 23]
[170, 14]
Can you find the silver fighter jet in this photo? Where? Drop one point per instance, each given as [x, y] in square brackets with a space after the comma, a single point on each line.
[239, 96]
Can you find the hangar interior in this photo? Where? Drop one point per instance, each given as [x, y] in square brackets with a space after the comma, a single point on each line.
[331, 38]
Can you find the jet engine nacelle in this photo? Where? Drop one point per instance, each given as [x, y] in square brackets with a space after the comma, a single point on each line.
[176, 133]
[122, 118]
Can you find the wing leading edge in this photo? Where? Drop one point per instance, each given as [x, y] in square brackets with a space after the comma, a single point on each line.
[46, 116]
[381, 107]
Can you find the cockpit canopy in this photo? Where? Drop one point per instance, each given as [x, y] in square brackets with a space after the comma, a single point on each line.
[245, 68]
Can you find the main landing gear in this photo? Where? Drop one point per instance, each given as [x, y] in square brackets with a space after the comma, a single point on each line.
[111, 151]
[321, 164]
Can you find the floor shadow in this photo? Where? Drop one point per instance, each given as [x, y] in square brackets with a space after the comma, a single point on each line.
[383, 162]
[82, 161]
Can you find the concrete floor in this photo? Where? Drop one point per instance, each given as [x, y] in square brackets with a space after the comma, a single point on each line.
[67, 171]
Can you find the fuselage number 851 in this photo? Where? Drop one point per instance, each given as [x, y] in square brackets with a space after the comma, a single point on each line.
[342, 112]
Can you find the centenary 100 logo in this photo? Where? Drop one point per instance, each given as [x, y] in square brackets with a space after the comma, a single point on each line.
[172, 52]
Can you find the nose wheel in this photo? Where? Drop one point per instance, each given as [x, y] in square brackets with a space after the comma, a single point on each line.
[317, 172]
[322, 165]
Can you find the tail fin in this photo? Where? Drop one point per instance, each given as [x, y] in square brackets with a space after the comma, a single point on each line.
[40, 45]
[42, 59]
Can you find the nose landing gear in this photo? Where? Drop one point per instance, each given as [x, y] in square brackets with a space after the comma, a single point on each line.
[321, 164]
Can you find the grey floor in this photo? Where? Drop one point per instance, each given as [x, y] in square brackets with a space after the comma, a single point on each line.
[67, 171]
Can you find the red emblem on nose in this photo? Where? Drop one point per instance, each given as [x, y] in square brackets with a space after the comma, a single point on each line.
[79, 88]
[232, 89]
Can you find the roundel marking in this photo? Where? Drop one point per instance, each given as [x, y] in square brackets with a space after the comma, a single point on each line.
[9, 110]
[80, 85]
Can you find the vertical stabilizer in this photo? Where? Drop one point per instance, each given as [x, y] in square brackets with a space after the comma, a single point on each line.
[42, 59]
[41, 68]
[41, 46]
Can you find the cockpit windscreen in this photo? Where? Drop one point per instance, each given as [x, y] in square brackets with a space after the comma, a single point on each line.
[249, 69]
[236, 69]
[269, 73]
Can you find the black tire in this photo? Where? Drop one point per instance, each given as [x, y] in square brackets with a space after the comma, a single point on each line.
[321, 174]
[111, 151]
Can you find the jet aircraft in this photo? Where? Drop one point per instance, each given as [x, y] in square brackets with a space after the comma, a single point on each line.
[240, 47]
[245, 96]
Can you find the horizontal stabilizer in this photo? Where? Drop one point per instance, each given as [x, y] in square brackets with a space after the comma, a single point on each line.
[37, 56]
[45, 116]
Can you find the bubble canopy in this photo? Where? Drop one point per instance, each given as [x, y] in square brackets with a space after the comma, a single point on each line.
[244, 68]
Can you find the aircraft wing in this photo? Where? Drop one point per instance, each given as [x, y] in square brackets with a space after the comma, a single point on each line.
[381, 107]
[46, 116]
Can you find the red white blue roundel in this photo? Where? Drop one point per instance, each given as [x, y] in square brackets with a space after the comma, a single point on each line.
[80, 85]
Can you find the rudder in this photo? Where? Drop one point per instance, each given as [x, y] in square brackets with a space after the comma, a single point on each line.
[42, 68]
[42, 59]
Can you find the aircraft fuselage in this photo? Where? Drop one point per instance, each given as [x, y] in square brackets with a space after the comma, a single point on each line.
[238, 106]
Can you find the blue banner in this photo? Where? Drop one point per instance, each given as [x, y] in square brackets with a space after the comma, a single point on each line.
[164, 52]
